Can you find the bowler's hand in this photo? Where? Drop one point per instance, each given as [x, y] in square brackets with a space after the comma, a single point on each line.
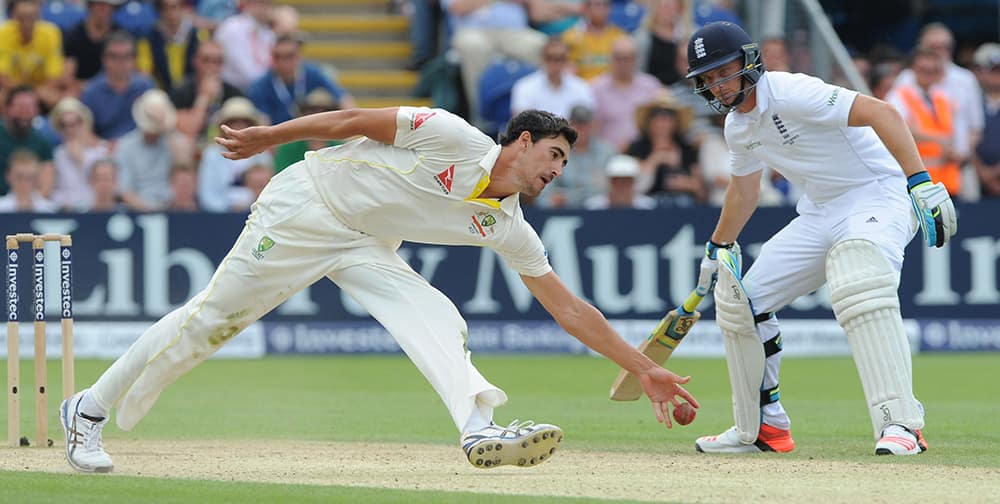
[663, 387]
[241, 144]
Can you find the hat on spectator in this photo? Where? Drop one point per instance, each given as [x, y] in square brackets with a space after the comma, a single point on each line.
[319, 98]
[154, 113]
[622, 165]
[581, 114]
[239, 107]
[987, 56]
[663, 103]
[66, 106]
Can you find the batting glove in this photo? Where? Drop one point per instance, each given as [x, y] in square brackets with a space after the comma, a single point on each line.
[709, 265]
[934, 208]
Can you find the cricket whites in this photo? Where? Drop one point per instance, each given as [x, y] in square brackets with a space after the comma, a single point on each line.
[660, 344]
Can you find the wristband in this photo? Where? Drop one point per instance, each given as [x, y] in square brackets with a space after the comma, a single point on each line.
[917, 179]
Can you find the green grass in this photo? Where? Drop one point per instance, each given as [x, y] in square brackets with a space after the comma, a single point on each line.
[384, 398]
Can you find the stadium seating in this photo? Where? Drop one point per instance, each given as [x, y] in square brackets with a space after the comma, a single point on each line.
[494, 92]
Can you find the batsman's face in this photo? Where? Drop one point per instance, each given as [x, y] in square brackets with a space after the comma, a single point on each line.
[540, 162]
[725, 82]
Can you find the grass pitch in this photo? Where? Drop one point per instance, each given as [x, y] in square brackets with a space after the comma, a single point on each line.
[383, 399]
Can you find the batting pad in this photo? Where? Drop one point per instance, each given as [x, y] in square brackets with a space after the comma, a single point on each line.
[744, 351]
[863, 290]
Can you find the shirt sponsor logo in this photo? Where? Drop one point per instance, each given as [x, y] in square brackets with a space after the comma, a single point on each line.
[752, 145]
[483, 224]
[833, 98]
[699, 47]
[419, 118]
[445, 178]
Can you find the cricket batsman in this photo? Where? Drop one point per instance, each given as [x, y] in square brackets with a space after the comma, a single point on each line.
[415, 174]
[865, 193]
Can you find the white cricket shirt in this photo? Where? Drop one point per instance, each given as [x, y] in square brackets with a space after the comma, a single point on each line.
[424, 188]
[799, 128]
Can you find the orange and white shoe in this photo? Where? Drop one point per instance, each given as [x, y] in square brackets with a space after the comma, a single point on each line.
[769, 439]
[898, 440]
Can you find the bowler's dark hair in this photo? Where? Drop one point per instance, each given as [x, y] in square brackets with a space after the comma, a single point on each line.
[540, 124]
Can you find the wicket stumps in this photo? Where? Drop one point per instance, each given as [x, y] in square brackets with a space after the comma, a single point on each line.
[38, 309]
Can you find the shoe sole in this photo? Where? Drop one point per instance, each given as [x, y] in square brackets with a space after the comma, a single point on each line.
[523, 451]
[63, 415]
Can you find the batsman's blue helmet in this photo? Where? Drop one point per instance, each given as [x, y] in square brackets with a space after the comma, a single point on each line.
[715, 45]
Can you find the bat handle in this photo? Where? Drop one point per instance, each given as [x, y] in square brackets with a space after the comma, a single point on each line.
[691, 303]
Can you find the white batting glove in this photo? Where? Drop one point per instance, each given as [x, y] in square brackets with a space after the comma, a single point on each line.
[934, 208]
[710, 266]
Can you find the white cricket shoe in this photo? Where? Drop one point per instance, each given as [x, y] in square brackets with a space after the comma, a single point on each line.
[769, 439]
[522, 444]
[898, 440]
[83, 437]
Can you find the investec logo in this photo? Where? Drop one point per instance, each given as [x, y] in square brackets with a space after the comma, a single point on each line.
[66, 284]
[39, 285]
[12, 299]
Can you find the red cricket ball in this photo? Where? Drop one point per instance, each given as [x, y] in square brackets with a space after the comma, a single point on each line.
[684, 414]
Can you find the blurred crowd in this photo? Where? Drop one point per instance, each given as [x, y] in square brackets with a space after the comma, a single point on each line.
[111, 105]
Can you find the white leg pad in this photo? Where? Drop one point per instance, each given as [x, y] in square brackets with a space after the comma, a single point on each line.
[863, 290]
[744, 351]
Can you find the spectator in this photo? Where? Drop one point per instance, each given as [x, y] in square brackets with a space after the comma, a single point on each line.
[279, 91]
[103, 180]
[425, 28]
[661, 36]
[669, 165]
[209, 13]
[485, 29]
[31, 52]
[219, 177]
[103, 195]
[255, 178]
[958, 85]
[22, 175]
[146, 155]
[553, 17]
[619, 92]
[79, 150]
[931, 117]
[774, 54]
[591, 39]
[284, 20]
[553, 88]
[621, 173]
[111, 94]
[319, 100]
[583, 177]
[171, 45]
[201, 94]
[183, 189]
[247, 40]
[83, 45]
[16, 130]
[883, 77]
[987, 154]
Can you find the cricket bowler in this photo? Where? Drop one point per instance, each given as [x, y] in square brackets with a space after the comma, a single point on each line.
[413, 174]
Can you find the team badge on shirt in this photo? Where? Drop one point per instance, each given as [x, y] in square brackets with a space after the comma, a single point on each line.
[789, 139]
[445, 178]
[483, 224]
[419, 118]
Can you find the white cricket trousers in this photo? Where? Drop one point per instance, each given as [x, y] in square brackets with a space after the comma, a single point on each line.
[291, 240]
[793, 262]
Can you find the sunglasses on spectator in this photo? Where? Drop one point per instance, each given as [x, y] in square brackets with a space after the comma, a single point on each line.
[119, 55]
[555, 57]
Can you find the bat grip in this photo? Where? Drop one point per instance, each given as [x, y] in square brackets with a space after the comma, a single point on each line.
[691, 303]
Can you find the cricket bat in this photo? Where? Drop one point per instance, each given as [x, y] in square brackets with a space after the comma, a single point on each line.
[660, 344]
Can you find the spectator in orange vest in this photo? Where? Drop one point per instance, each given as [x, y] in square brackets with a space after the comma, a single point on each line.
[930, 115]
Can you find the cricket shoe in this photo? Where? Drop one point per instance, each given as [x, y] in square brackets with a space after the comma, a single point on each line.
[84, 450]
[523, 444]
[898, 440]
[769, 439]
